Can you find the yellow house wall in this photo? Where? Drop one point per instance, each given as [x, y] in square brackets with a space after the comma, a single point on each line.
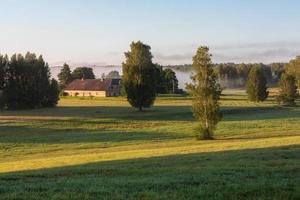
[81, 93]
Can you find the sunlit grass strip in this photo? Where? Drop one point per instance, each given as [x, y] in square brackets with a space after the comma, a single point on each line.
[146, 151]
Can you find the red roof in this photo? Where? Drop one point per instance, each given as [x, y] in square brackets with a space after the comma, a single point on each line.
[89, 85]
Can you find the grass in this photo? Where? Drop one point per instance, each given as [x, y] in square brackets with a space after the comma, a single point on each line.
[104, 149]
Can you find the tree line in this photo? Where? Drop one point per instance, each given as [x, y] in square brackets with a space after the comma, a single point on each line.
[139, 74]
[66, 76]
[165, 79]
[233, 75]
[25, 82]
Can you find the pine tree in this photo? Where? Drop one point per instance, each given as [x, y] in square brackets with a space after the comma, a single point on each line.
[65, 76]
[257, 85]
[206, 94]
[288, 90]
[139, 76]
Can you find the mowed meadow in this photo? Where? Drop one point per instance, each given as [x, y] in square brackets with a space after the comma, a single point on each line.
[102, 148]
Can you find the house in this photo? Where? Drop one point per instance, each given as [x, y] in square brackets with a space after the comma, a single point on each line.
[93, 88]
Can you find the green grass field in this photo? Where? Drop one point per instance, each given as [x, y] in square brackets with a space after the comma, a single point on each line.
[104, 149]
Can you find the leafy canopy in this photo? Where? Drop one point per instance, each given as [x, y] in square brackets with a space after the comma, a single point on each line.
[83, 73]
[206, 94]
[27, 83]
[288, 90]
[293, 68]
[257, 85]
[139, 76]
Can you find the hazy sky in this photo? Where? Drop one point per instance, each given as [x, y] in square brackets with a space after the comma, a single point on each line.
[99, 31]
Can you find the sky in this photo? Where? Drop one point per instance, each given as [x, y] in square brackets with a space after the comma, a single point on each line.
[100, 31]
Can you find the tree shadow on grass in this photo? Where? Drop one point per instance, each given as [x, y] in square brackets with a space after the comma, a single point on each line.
[159, 113]
[26, 134]
[259, 113]
[181, 113]
[269, 173]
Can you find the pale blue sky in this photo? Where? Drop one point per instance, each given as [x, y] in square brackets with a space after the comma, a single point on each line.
[99, 31]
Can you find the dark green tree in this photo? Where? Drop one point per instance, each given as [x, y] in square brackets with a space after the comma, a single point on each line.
[160, 79]
[53, 94]
[206, 94]
[65, 76]
[27, 82]
[257, 85]
[83, 73]
[3, 65]
[288, 90]
[139, 76]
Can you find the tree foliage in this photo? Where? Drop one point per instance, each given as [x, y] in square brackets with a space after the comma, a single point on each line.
[171, 82]
[27, 83]
[288, 90]
[83, 73]
[139, 76]
[206, 94]
[3, 65]
[166, 80]
[113, 75]
[293, 68]
[257, 85]
[65, 76]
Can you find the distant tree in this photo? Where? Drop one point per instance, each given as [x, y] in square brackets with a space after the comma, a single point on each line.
[227, 74]
[160, 79]
[206, 94]
[288, 90]
[83, 73]
[293, 68]
[277, 70]
[266, 72]
[139, 76]
[27, 83]
[65, 76]
[171, 82]
[113, 75]
[257, 85]
[166, 80]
